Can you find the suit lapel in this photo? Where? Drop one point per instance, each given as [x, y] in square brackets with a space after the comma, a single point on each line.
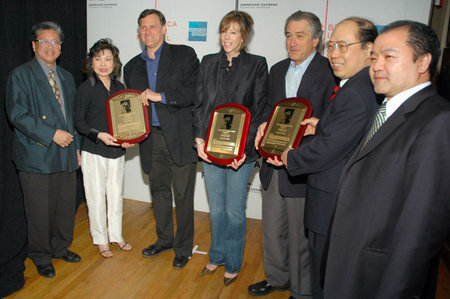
[241, 73]
[163, 65]
[393, 122]
[307, 75]
[282, 79]
[47, 91]
[213, 71]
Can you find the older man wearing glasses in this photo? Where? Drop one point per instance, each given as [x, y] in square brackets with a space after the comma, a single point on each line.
[342, 125]
[40, 99]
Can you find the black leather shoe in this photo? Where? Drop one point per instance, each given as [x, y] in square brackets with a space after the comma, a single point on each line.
[263, 288]
[71, 257]
[46, 270]
[180, 261]
[153, 250]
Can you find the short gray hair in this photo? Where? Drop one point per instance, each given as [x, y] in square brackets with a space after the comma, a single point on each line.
[314, 24]
[47, 25]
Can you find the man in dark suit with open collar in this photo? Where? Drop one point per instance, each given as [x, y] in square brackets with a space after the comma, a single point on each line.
[45, 147]
[342, 125]
[305, 74]
[167, 74]
[393, 208]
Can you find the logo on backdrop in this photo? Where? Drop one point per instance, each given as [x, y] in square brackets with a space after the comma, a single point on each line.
[257, 4]
[102, 3]
[197, 31]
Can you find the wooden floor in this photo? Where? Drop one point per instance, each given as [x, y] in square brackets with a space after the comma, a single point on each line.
[129, 275]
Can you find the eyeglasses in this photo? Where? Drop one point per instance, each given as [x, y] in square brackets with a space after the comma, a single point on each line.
[341, 46]
[47, 43]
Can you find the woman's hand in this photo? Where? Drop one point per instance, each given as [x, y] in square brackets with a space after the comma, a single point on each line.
[107, 139]
[200, 144]
[127, 145]
[236, 164]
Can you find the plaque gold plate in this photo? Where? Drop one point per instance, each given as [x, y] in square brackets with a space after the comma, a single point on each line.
[227, 133]
[127, 117]
[284, 127]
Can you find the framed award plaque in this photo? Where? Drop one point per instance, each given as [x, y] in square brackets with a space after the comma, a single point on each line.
[127, 117]
[284, 127]
[227, 133]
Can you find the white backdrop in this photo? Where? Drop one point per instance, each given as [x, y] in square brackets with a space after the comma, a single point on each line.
[195, 23]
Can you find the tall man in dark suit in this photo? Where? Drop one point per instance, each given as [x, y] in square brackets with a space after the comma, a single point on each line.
[393, 208]
[167, 76]
[344, 122]
[305, 74]
[40, 101]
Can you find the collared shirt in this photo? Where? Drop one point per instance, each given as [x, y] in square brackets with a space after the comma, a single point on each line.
[294, 75]
[397, 100]
[342, 82]
[152, 72]
[46, 70]
[91, 118]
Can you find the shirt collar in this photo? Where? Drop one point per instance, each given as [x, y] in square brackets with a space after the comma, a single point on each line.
[397, 100]
[304, 65]
[45, 67]
[144, 54]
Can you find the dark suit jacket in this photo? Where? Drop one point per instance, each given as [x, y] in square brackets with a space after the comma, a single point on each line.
[393, 208]
[316, 86]
[248, 89]
[35, 114]
[345, 121]
[177, 75]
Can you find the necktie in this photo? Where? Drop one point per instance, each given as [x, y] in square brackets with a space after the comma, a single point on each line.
[380, 118]
[335, 90]
[52, 81]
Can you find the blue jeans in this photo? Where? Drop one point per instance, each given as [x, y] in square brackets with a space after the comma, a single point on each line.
[227, 192]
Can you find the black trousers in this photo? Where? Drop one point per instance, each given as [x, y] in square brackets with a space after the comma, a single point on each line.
[49, 201]
[164, 176]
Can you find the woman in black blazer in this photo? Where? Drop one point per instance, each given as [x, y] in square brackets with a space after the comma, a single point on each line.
[230, 76]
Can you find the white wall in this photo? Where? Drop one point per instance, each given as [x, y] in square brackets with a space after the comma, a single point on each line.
[117, 19]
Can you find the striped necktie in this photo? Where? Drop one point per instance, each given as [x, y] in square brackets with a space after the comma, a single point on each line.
[335, 90]
[380, 118]
[54, 85]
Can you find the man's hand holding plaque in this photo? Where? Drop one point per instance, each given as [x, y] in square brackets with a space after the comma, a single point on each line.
[128, 121]
[227, 135]
[284, 129]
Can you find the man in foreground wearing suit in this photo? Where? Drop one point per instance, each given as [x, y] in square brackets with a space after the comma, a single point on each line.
[40, 101]
[166, 74]
[393, 210]
[342, 125]
[305, 74]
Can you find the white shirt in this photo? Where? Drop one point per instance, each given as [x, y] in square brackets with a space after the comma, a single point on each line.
[397, 100]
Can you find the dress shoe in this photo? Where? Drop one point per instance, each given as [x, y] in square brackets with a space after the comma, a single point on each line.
[153, 250]
[46, 270]
[263, 288]
[206, 271]
[71, 257]
[227, 281]
[180, 261]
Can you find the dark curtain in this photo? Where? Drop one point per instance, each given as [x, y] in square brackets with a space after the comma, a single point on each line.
[16, 19]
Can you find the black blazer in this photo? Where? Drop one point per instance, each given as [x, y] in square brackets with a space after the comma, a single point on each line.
[248, 89]
[345, 121]
[177, 76]
[393, 208]
[316, 86]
